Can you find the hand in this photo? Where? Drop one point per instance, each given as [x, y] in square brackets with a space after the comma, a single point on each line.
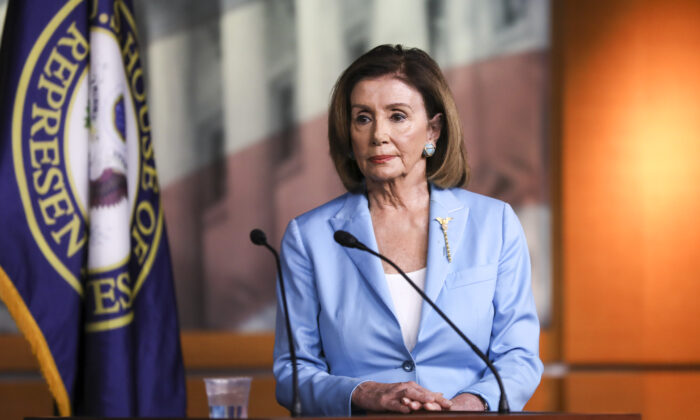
[402, 397]
[467, 402]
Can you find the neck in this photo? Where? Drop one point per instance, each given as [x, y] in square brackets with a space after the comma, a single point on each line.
[398, 194]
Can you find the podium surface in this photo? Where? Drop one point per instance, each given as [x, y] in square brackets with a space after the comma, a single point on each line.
[427, 416]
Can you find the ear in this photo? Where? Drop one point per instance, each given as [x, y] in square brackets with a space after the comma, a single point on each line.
[435, 128]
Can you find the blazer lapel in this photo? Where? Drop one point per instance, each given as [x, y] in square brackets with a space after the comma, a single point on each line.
[443, 204]
[354, 218]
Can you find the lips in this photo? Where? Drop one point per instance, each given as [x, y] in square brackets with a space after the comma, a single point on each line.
[381, 158]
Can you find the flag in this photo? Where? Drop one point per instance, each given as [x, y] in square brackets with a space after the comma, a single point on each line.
[84, 262]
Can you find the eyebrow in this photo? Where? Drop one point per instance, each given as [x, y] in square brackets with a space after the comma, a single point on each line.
[397, 104]
[389, 106]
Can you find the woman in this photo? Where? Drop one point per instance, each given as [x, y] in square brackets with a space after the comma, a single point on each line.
[364, 338]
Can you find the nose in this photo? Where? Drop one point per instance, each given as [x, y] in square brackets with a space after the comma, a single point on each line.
[381, 133]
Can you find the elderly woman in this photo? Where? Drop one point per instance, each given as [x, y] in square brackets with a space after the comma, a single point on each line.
[364, 338]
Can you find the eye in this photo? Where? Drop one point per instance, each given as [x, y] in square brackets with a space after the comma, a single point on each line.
[398, 116]
[362, 119]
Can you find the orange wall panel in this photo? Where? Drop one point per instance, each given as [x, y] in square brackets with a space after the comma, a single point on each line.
[657, 395]
[547, 397]
[630, 128]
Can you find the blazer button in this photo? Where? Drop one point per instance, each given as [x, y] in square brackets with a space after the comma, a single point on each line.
[408, 366]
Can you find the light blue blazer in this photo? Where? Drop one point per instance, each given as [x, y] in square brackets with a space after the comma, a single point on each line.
[342, 313]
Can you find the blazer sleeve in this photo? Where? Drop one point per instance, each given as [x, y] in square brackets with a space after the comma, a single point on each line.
[321, 393]
[514, 345]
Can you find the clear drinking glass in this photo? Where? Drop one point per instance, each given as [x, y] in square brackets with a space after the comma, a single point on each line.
[228, 397]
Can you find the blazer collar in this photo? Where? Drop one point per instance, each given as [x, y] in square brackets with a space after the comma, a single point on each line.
[354, 218]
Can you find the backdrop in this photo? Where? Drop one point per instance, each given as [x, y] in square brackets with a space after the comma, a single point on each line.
[238, 92]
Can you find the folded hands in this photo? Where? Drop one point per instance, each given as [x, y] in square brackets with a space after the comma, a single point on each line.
[405, 397]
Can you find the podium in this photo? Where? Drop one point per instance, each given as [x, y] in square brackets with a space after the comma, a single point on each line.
[525, 415]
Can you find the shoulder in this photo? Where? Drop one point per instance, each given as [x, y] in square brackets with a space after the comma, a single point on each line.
[475, 200]
[323, 212]
[479, 205]
[316, 220]
[483, 210]
[312, 231]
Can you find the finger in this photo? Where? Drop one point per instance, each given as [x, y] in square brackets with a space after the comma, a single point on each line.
[443, 402]
[424, 396]
[415, 405]
[412, 385]
[432, 406]
[419, 394]
[395, 405]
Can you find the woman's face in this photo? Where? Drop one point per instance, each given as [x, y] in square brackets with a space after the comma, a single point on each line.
[389, 127]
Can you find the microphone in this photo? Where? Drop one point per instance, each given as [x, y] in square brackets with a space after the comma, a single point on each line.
[258, 237]
[349, 241]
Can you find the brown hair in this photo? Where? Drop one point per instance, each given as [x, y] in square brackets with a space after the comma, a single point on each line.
[447, 168]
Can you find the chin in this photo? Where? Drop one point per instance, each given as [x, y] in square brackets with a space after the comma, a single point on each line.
[383, 178]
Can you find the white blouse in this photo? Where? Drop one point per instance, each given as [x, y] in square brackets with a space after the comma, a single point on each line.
[407, 304]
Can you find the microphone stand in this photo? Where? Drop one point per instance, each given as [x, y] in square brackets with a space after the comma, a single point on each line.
[258, 237]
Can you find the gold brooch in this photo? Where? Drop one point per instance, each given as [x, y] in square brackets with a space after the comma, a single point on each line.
[443, 223]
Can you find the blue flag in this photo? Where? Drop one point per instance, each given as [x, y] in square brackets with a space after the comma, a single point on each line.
[84, 262]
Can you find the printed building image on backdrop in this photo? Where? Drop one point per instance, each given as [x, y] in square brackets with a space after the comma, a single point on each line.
[238, 95]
